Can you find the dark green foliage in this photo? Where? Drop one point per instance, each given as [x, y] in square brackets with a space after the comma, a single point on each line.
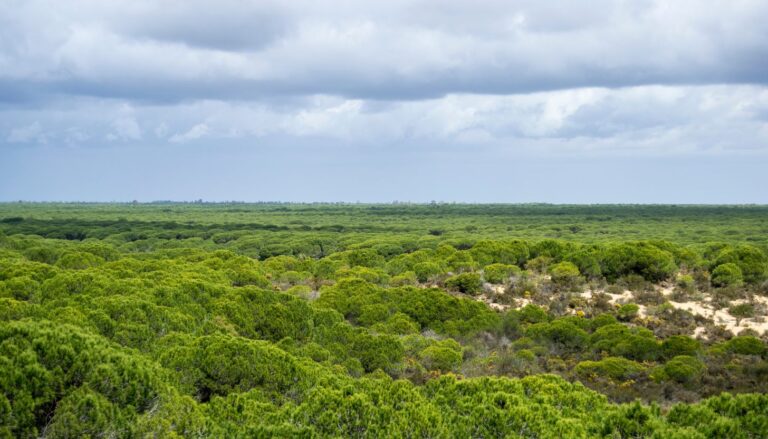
[745, 345]
[644, 259]
[680, 345]
[219, 365]
[532, 314]
[502, 252]
[467, 283]
[635, 343]
[682, 368]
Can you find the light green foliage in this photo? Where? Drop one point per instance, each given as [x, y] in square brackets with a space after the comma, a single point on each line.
[444, 356]
[499, 273]
[686, 282]
[565, 275]
[79, 261]
[728, 274]
[404, 279]
[460, 262]
[41, 360]
[628, 312]
[616, 368]
[427, 271]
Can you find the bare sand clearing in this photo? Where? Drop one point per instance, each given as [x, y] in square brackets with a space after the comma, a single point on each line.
[703, 308]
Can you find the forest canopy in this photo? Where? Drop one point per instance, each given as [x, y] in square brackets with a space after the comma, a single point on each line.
[442, 320]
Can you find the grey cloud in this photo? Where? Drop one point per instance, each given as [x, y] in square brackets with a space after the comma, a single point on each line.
[222, 25]
[650, 121]
[240, 50]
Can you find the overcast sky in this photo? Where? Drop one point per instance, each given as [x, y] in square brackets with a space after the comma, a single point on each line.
[594, 101]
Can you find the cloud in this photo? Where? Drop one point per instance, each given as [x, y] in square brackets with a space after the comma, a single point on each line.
[29, 133]
[125, 128]
[194, 133]
[399, 50]
[647, 120]
[337, 86]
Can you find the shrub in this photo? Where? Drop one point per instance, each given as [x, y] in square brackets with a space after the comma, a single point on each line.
[398, 323]
[559, 332]
[406, 278]
[628, 312]
[644, 259]
[442, 357]
[510, 252]
[745, 345]
[742, 311]
[686, 283]
[682, 368]
[461, 261]
[752, 262]
[566, 275]
[680, 345]
[79, 261]
[427, 271]
[533, 314]
[634, 343]
[727, 275]
[612, 367]
[499, 273]
[467, 283]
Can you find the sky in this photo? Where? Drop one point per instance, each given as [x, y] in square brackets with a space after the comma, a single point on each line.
[600, 101]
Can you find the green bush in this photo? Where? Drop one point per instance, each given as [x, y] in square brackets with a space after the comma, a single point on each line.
[78, 261]
[611, 367]
[745, 345]
[643, 259]
[619, 340]
[427, 271]
[628, 311]
[680, 345]
[559, 332]
[682, 368]
[467, 283]
[443, 357]
[566, 275]
[499, 273]
[727, 275]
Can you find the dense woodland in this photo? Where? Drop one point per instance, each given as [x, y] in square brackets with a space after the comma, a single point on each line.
[324, 320]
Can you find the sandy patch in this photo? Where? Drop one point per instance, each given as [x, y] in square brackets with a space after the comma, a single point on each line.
[721, 317]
